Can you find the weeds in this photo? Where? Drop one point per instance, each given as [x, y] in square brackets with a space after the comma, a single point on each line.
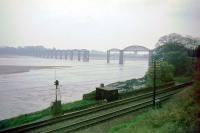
[178, 115]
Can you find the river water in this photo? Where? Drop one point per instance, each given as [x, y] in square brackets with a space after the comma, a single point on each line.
[30, 91]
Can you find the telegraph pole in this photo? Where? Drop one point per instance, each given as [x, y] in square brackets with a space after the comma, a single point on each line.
[154, 82]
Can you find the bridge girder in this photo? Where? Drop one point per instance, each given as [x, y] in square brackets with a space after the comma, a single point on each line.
[136, 48]
[114, 50]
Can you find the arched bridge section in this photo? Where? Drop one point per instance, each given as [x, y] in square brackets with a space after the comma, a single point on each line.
[132, 48]
[136, 48]
[114, 50]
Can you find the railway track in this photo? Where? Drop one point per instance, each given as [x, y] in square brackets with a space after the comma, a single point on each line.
[72, 115]
[107, 116]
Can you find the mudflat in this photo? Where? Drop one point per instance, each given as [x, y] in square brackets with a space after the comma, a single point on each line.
[10, 69]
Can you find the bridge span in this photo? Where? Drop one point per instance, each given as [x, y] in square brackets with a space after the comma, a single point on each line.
[132, 48]
[79, 54]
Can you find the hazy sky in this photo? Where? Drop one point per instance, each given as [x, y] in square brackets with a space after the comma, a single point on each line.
[95, 24]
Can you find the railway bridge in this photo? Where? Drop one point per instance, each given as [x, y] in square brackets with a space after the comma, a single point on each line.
[132, 48]
[79, 54]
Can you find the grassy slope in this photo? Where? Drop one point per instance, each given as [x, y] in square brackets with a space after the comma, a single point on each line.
[178, 115]
[44, 114]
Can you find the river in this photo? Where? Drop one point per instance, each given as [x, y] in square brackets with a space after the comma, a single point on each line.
[29, 91]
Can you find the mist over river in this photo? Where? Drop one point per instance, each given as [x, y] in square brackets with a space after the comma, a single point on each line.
[26, 84]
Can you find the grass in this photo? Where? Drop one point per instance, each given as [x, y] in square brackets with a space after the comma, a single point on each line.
[121, 127]
[77, 105]
[24, 118]
[178, 115]
[182, 79]
[46, 113]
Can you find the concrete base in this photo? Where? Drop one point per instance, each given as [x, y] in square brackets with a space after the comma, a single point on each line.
[108, 56]
[121, 57]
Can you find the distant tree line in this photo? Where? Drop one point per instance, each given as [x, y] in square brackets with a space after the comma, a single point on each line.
[28, 50]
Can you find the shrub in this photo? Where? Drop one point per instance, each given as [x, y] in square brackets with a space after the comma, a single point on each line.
[164, 73]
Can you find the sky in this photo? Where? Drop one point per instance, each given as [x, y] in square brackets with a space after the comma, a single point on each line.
[95, 24]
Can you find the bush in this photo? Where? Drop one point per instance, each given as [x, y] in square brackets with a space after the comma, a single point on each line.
[177, 55]
[164, 73]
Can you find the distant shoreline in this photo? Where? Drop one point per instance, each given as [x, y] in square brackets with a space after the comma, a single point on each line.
[12, 69]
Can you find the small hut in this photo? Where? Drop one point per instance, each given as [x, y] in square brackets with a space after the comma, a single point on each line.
[108, 93]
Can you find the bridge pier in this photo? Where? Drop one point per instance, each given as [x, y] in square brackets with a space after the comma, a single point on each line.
[108, 56]
[79, 55]
[40, 54]
[51, 54]
[66, 54]
[121, 57]
[150, 57]
[55, 54]
[61, 54]
[71, 54]
[37, 53]
[47, 53]
[86, 56]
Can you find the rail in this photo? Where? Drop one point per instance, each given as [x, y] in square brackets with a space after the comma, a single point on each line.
[75, 114]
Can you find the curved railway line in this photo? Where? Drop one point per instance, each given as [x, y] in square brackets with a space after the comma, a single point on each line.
[128, 105]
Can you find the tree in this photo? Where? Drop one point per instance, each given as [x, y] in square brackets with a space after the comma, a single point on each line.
[164, 73]
[186, 41]
[180, 61]
[177, 55]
